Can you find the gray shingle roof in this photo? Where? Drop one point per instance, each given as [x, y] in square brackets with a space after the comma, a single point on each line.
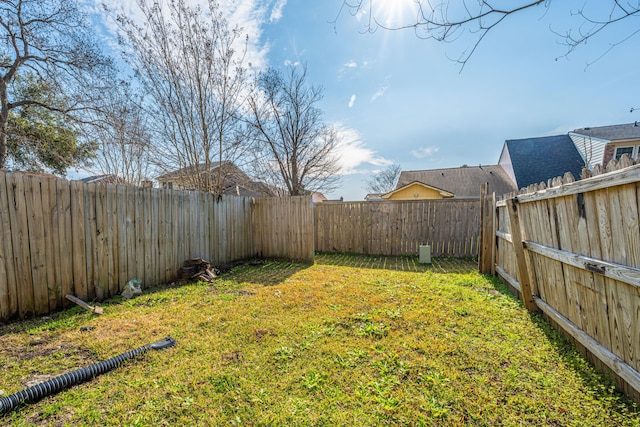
[462, 182]
[535, 160]
[613, 132]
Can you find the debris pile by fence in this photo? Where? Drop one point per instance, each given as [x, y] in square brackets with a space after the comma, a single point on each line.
[197, 269]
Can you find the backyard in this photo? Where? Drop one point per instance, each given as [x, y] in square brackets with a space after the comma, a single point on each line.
[352, 340]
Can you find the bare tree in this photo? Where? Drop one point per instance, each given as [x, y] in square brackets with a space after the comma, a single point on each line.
[295, 148]
[448, 20]
[47, 46]
[123, 137]
[191, 63]
[385, 180]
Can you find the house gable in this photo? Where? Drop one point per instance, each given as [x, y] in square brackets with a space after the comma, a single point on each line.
[234, 181]
[536, 160]
[591, 149]
[603, 143]
[505, 162]
[417, 191]
[464, 182]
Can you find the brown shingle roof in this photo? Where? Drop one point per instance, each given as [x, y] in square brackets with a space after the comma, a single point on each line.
[234, 180]
[188, 171]
[462, 182]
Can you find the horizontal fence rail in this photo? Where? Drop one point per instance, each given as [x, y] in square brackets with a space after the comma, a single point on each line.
[581, 264]
[450, 227]
[61, 237]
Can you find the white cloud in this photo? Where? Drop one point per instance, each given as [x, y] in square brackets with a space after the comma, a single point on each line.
[353, 152]
[352, 100]
[382, 90]
[349, 67]
[276, 12]
[289, 63]
[423, 152]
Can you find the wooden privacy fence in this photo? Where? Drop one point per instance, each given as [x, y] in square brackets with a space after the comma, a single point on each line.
[572, 251]
[62, 237]
[283, 228]
[451, 227]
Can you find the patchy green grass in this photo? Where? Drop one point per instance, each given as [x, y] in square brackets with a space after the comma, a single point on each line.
[288, 344]
[400, 263]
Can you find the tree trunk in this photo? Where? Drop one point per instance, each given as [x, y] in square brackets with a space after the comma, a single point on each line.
[4, 122]
[3, 147]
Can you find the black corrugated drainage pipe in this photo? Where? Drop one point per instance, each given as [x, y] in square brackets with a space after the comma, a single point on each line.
[54, 385]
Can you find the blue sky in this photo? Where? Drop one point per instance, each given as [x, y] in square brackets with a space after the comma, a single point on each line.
[397, 98]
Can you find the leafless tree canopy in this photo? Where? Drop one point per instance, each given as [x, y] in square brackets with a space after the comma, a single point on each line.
[449, 20]
[295, 148]
[123, 139]
[385, 180]
[191, 63]
[48, 43]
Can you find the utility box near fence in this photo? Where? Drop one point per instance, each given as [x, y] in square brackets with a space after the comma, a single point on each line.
[425, 254]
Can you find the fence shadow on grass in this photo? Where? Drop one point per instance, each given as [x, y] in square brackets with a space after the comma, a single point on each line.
[399, 263]
[594, 374]
[268, 272]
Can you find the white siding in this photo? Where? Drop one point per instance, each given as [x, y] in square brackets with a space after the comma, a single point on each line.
[507, 165]
[591, 149]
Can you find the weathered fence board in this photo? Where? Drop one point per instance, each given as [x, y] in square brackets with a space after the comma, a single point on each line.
[8, 293]
[60, 237]
[286, 229]
[583, 243]
[451, 227]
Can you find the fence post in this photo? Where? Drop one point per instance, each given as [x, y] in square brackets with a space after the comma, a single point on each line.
[526, 281]
[494, 231]
[486, 228]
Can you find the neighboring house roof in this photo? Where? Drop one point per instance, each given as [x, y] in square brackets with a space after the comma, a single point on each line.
[235, 182]
[461, 182]
[373, 196]
[104, 179]
[317, 197]
[442, 192]
[535, 160]
[612, 133]
[591, 141]
[189, 171]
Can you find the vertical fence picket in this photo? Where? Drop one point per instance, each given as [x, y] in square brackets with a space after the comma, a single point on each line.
[49, 206]
[20, 238]
[113, 242]
[8, 292]
[122, 248]
[102, 242]
[63, 242]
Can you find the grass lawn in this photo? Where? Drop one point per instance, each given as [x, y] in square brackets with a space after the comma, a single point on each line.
[350, 341]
